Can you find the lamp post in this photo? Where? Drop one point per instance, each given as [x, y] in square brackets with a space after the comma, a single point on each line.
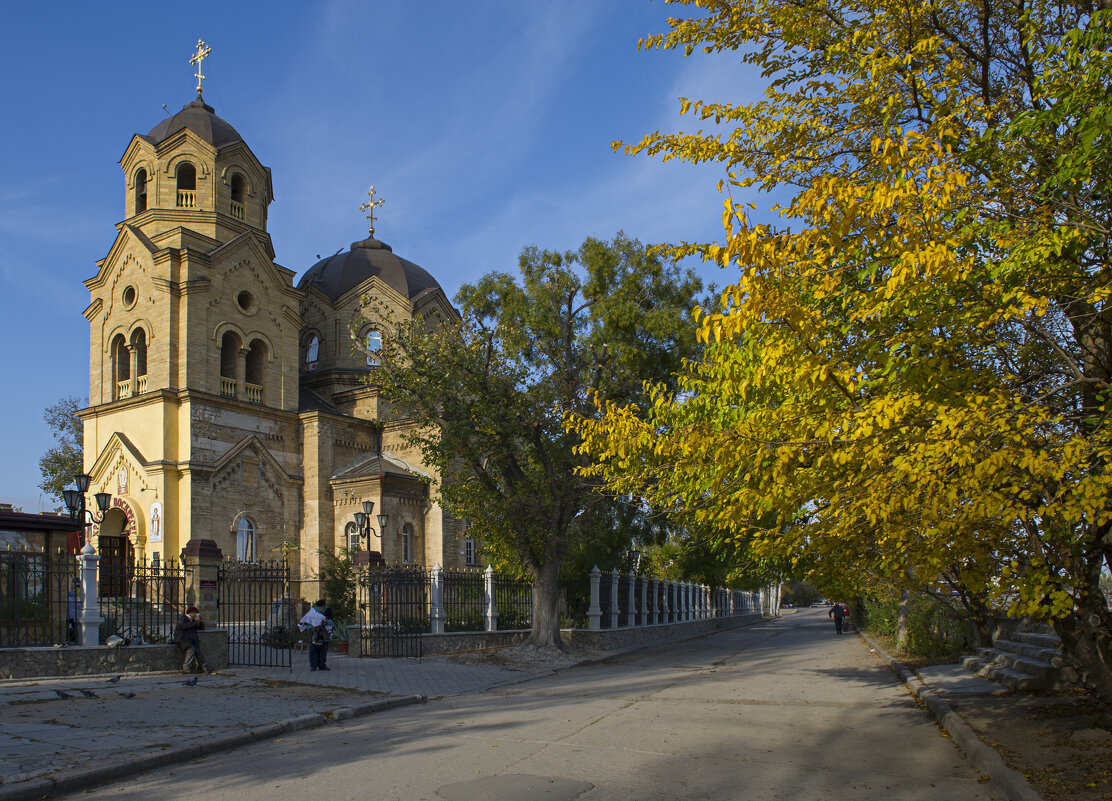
[89, 618]
[363, 520]
[75, 502]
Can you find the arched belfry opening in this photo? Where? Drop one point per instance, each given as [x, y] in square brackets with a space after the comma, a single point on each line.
[140, 191]
[187, 186]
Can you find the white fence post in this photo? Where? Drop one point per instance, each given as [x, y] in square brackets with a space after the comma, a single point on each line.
[614, 598]
[631, 613]
[594, 612]
[491, 606]
[436, 595]
[644, 601]
[90, 608]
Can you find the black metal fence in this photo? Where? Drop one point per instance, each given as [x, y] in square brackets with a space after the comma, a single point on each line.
[40, 596]
[393, 610]
[463, 600]
[145, 601]
[253, 603]
[575, 601]
[513, 598]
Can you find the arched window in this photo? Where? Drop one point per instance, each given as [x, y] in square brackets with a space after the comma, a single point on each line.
[140, 191]
[407, 543]
[139, 348]
[313, 352]
[351, 537]
[374, 345]
[245, 540]
[121, 368]
[256, 365]
[229, 353]
[187, 185]
[239, 192]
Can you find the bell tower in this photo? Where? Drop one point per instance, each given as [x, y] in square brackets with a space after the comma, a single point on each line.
[193, 335]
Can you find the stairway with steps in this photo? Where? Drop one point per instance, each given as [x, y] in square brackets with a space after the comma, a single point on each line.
[1029, 658]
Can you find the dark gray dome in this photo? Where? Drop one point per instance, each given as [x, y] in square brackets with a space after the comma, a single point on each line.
[202, 120]
[343, 272]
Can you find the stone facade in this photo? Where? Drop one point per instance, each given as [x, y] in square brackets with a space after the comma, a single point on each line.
[228, 403]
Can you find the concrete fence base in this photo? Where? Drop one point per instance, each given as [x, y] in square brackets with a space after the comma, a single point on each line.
[79, 660]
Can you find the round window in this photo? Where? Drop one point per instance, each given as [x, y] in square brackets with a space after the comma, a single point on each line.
[129, 296]
[246, 301]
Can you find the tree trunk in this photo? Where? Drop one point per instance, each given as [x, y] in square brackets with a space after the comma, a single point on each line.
[546, 611]
[901, 620]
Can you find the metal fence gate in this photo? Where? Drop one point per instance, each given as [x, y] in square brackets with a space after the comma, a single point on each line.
[254, 605]
[393, 610]
[140, 601]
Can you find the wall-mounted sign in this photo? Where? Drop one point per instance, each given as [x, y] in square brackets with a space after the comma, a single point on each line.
[156, 521]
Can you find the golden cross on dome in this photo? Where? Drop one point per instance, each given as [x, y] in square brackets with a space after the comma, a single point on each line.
[369, 206]
[203, 51]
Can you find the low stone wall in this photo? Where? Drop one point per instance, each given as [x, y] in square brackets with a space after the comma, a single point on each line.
[610, 639]
[605, 640]
[78, 660]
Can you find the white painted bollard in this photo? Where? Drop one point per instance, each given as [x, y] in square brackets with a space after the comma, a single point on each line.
[90, 608]
[594, 612]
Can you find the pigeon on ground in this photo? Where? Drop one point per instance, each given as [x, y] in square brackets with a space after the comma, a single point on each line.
[62, 694]
[113, 680]
[190, 682]
[88, 693]
[127, 695]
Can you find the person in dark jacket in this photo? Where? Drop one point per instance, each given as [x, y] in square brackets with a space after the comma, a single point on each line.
[188, 641]
[838, 612]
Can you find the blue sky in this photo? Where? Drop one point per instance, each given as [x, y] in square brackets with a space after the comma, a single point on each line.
[486, 126]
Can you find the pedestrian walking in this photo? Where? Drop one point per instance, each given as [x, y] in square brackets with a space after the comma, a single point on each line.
[320, 626]
[187, 639]
[838, 612]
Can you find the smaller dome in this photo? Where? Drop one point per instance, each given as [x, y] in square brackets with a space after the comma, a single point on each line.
[341, 273]
[202, 120]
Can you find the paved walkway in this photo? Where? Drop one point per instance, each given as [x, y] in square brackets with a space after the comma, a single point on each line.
[52, 744]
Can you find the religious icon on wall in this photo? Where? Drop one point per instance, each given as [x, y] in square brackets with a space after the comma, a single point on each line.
[121, 480]
[156, 521]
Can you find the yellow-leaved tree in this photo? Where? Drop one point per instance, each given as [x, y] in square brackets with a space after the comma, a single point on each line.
[910, 373]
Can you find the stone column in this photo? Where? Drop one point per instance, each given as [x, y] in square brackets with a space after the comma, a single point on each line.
[614, 598]
[201, 560]
[491, 616]
[668, 602]
[436, 594]
[644, 601]
[241, 373]
[594, 611]
[89, 619]
[133, 361]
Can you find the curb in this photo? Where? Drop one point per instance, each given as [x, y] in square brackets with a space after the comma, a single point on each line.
[985, 758]
[78, 779]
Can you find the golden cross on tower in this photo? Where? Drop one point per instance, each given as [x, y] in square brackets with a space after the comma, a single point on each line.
[369, 207]
[203, 50]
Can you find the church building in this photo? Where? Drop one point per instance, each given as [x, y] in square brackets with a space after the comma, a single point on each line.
[228, 403]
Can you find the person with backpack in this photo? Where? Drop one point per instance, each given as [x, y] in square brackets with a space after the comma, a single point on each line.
[320, 626]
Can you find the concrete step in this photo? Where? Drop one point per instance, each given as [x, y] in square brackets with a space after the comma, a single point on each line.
[1037, 638]
[1021, 664]
[1037, 652]
[1013, 679]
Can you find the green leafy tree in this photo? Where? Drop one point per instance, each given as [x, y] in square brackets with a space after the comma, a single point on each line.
[916, 361]
[64, 461]
[491, 391]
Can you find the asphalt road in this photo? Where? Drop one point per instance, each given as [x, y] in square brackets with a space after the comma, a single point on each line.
[784, 709]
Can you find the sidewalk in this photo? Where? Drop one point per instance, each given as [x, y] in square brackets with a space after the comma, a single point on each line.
[50, 744]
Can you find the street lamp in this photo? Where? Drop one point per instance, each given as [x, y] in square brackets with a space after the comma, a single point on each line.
[75, 502]
[363, 520]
